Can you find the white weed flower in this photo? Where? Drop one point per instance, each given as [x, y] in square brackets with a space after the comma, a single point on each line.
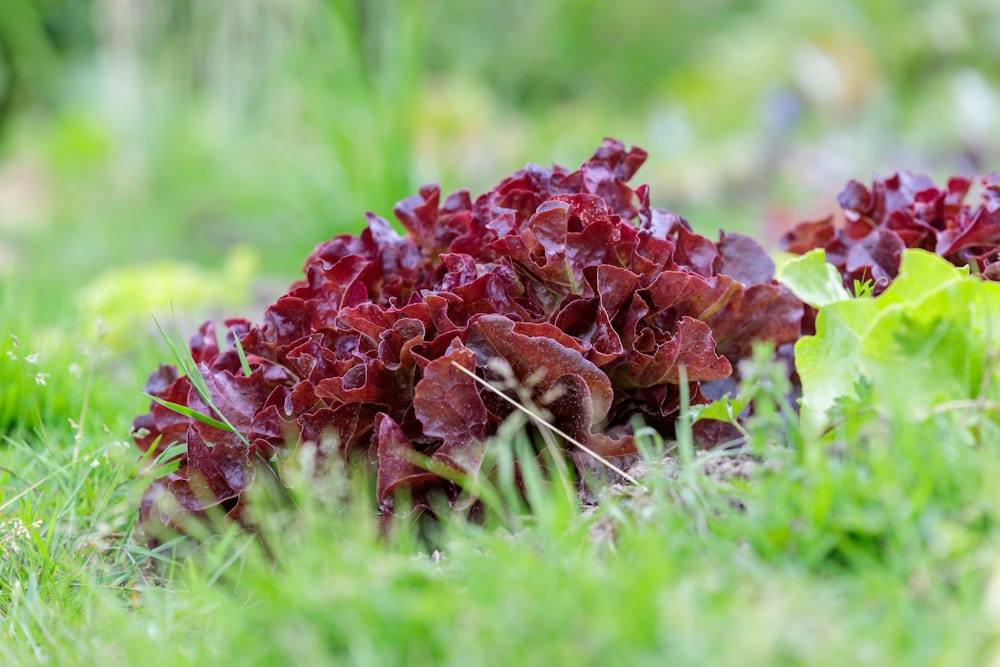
[40, 378]
[32, 359]
[12, 532]
[75, 370]
[11, 356]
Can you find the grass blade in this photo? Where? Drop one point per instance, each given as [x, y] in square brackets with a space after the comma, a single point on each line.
[188, 412]
[243, 356]
[541, 422]
[184, 361]
[187, 364]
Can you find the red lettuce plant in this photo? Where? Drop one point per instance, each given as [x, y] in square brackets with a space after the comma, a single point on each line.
[906, 211]
[567, 283]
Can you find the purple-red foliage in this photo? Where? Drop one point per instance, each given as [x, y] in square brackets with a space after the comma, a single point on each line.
[906, 211]
[568, 283]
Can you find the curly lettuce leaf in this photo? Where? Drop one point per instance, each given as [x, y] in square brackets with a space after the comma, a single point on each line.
[929, 338]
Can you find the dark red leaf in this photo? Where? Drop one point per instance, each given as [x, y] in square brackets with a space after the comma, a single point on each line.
[806, 236]
[744, 260]
[876, 257]
[537, 361]
[764, 313]
[338, 429]
[692, 347]
[396, 468]
[447, 403]
[982, 232]
[696, 253]
[236, 397]
[205, 481]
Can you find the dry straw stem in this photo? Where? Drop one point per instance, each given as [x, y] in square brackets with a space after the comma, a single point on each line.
[537, 418]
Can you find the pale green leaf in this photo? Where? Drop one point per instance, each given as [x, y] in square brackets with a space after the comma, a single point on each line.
[828, 362]
[813, 280]
[920, 272]
[725, 409]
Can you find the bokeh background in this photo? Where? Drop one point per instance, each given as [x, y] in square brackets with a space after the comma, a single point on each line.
[194, 151]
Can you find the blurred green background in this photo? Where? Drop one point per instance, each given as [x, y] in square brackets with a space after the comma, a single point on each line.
[181, 150]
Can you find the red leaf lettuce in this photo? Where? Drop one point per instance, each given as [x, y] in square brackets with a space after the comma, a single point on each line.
[906, 211]
[565, 283]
